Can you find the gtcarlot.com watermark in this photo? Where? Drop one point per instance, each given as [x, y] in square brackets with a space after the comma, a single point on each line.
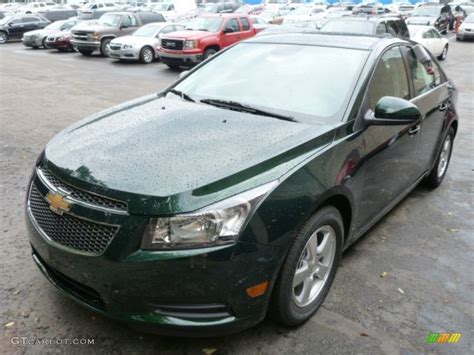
[51, 341]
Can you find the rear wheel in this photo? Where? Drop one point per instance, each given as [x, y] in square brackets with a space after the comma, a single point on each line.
[105, 47]
[437, 174]
[147, 55]
[444, 53]
[309, 268]
[44, 43]
[3, 37]
[86, 52]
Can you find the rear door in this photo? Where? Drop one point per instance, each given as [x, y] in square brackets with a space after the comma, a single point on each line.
[390, 159]
[247, 31]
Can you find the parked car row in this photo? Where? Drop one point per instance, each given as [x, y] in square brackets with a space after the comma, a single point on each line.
[146, 36]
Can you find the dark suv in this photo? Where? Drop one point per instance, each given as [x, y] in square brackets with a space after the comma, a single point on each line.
[393, 26]
[13, 27]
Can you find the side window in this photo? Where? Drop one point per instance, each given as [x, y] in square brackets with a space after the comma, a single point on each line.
[16, 20]
[381, 29]
[423, 81]
[435, 34]
[389, 78]
[245, 24]
[129, 21]
[392, 28]
[234, 24]
[426, 34]
[27, 19]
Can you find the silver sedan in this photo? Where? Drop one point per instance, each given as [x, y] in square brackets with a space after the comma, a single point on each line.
[143, 44]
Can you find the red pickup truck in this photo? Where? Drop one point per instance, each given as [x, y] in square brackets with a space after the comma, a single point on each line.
[203, 37]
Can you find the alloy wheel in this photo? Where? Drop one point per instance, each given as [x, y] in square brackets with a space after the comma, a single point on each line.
[444, 156]
[314, 266]
[3, 37]
[147, 55]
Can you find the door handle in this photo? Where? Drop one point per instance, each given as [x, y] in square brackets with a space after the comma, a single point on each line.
[414, 130]
[442, 107]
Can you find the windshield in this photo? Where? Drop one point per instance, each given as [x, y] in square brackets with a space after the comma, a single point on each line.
[147, 31]
[426, 11]
[309, 83]
[55, 25]
[211, 24]
[343, 26]
[5, 20]
[162, 7]
[110, 20]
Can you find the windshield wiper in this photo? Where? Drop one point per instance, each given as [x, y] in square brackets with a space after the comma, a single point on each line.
[237, 106]
[181, 94]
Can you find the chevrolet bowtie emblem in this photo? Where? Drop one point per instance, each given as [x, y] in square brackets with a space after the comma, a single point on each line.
[57, 203]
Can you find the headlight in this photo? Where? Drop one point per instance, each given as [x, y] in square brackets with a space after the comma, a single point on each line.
[217, 224]
[190, 44]
[95, 35]
[127, 46]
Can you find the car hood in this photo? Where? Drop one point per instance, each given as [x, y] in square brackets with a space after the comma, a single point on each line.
[191, 35]
[92, 26]
[421, 20]
[135, 40]
[465, 25]
[42, 32]
[157, 150]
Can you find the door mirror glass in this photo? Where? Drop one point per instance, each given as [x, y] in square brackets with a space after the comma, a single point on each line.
[393, 111]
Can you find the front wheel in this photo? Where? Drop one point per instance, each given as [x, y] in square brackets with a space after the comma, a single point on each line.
[45, 46]
[209, 52]
[437, 174]
[3, 37]
[444, 53]
[105, 47]
[147, 55]
[309, 268]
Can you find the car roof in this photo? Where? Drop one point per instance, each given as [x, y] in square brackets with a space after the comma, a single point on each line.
[366, 18]
[327, 39]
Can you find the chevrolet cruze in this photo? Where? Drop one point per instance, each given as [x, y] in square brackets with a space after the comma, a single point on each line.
[232, 194]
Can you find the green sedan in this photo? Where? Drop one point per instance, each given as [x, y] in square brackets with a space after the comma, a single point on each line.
[232, 194]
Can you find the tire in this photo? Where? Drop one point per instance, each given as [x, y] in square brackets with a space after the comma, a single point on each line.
[437, 174]
[44, 43]
[288, 305]
[85, 52]
[209, 52]
[444, 53]
[147, 55]
[173, 66]
[3, 37]
[104, 47]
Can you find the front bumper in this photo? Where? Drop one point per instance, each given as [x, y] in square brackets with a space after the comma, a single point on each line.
[63, 44]
[200, 292]
[464, 35]
[127, 54]
[181, 58]
[32, 42]
[87, 45]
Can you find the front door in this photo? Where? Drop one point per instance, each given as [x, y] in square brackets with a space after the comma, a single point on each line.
[390, 151]
[15, 28]
[234, 36]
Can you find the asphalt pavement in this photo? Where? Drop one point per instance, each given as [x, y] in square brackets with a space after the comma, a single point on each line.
[424, 248]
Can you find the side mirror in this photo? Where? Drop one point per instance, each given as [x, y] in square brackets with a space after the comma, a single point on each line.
[393, 111]
[123, 26]
[421, 54]
[228, 30]
[183, 74]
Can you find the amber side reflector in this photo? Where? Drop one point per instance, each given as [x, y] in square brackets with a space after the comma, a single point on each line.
[257, 290]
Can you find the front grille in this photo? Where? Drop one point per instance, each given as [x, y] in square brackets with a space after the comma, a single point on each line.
[68, 230]
[115, 47]
[82, 195]
[81, 36]
[172, 44]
